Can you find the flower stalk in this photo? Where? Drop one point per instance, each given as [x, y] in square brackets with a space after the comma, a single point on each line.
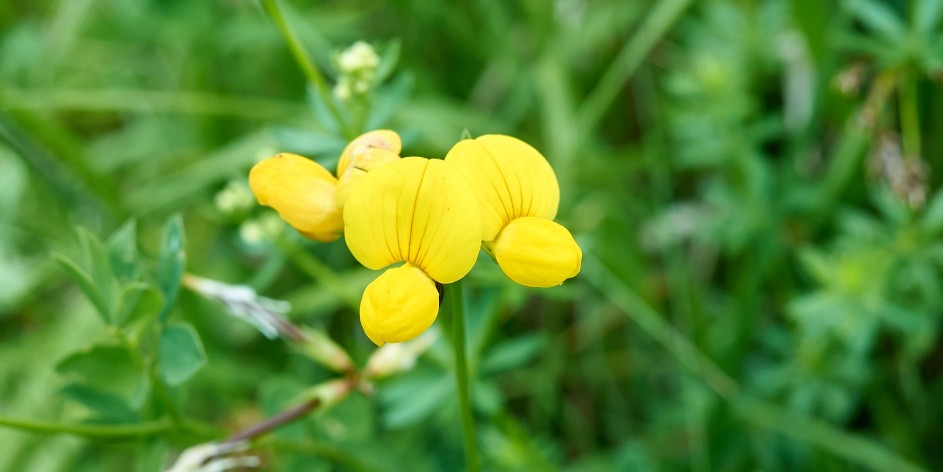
[314, 76]
[454, 298]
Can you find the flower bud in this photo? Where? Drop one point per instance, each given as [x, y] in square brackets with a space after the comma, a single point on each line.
[381, 138]
[394, 358]
[537, 252]
[399, 305]
[328, 393]
[319, 346]
[302, 192]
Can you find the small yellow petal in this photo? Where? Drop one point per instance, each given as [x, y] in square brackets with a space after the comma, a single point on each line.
[510, 178]
[361, 164]
[381, 139]
[537, 253]
[399, 305]
[301, 191]
[416, 210]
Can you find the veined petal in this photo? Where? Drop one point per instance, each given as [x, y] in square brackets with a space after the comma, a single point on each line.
[380, 139]
[537, 253]
[361, 164]
[301, 191]
[510, 178]
[416, 210]
[399, 305]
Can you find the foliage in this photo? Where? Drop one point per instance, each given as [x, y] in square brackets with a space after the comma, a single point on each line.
[755, 187]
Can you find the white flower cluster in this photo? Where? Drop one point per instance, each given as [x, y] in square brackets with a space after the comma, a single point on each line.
[357, 65]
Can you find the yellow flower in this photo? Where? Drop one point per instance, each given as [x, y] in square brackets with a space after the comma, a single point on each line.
[301, 191]
[518, 195]
[421, 212]
[307, 196]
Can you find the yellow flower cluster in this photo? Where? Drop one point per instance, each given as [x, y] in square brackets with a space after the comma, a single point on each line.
[307, 196]
[431, 215]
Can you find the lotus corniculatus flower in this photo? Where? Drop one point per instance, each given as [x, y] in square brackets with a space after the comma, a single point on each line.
[421, 212]
[307, 196]
[518, 195]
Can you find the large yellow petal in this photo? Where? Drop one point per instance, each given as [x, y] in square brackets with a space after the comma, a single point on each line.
[537, 253]
[510, 178]
[361, 164]
[379, 139]
[399, 305]
[417, 210]
[301, 191]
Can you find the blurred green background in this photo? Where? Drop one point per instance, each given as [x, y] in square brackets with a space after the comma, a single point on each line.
[752, 182]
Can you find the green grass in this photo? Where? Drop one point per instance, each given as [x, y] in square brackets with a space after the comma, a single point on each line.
[754, 186]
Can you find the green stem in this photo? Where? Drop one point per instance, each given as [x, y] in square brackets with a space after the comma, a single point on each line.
[453, 296]
[662, 16]
[909, 118]
[304, 61]
[89, 430]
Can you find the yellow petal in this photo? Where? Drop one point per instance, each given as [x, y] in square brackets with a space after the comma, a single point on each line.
[399, 305]
[537, 253]
[360, 165]
[416, 210]
[381, 138]
[510, 178]
[301, 191]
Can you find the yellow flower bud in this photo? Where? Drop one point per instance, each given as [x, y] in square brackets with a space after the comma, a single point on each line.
[302, 192]
[399, 305]
[537, 252]
[381, 139]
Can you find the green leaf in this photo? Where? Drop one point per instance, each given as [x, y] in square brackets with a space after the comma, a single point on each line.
[181, 353]
[513, 353]
[388, 61]
[932, 221]
[137, 300]
[413, 398]
[85, 283]
[879, 19]
[107, 368]
[172, 263]
[122, 251]
[99, 263]
[927, 14]
[101, 364]
[821, 267]
[108, 405]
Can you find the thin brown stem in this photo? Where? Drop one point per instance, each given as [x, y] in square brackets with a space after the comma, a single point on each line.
[265, 426]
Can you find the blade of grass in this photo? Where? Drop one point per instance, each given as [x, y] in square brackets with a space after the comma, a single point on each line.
[123, 100]
[663, 15]
[88, 430]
